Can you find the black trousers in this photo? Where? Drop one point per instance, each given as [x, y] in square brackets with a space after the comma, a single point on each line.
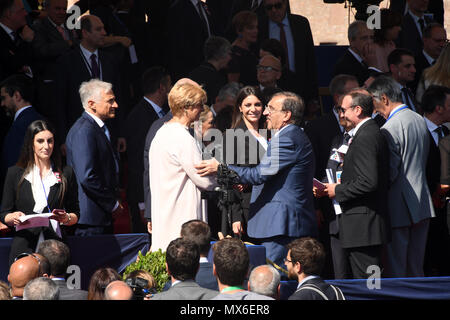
[361, 258]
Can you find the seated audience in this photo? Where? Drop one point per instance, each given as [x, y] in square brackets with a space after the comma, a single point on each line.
[182, 263]
[231, 266]
[41, 289]
[99, 281]
[304, 262]
[265, 280]
[268, 72]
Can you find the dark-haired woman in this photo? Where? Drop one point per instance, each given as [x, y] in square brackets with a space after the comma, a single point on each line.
[38, 184]
[247, 117]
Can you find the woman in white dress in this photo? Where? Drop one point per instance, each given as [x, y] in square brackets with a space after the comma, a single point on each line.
[174, 183]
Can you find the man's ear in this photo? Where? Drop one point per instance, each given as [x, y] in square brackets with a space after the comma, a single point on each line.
[167, 269]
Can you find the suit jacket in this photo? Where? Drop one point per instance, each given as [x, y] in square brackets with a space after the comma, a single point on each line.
[362, 193]
[48, 46]
[186, 30]
[72, 72]
[313, 295]
[205, 277]
[13, 142]
[305, 58]
[93, 159]
[186, 290]
[137, 125]
[347, 64]
[210, 79]
[70, 294]
[282, 199]
[409, 143]
[433, 168]
[321, 132]
[409, 37]
[421, 64]
[157, 124]
[13, 55]
[21, 199]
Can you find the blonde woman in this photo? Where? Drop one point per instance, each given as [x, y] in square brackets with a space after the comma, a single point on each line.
[174, 183]
[437, 74]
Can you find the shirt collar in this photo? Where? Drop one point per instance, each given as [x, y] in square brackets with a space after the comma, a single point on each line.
[97, 119]
[154, 105]
[416, 18]
[427, 56]
[357, 56]
[7, 30]
[278, 132]
[306, 279]
[54, 24]
[398, 107]
[87, 53]
[359, 125]
[16, 115]
[430, 124]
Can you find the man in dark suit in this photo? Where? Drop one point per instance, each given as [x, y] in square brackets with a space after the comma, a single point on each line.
[52, 40]
[156, 85]
[84, 62]
[16, 96]
[304, 262]
[401, 63]
[94, 160]
[357, 59]
[294, 33]
[15, 39]
[282, 182]
[362, 193]
[434, 40]
[58, 256]
[413, 25]
[189, 25]
[199, 232]
[210, 74]
[436, 108]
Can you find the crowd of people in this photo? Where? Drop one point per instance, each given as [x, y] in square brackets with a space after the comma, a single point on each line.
[222, 124]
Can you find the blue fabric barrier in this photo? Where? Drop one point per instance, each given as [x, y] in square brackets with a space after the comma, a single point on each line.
[257, 254]
[91, 253]
[429, 288]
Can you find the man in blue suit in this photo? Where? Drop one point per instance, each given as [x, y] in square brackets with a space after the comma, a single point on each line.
[16, 95]
[281, 206]
[94, 159]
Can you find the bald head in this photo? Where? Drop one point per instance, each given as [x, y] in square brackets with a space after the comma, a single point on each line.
[118, 290]
[264, 280]
[268, 71]
[21, 272]
[92, 32]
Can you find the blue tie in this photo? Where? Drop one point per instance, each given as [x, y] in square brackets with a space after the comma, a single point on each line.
[161, 113]
[106, 131]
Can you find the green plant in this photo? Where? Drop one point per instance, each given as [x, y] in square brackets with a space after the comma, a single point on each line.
[152, 262]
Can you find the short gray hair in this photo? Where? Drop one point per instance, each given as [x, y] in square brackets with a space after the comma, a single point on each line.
[216, 48]
[387, 86]
[229, 90]
[92, 89]
[263, 284]
[41, 289]
[353, 29]
[294, 104]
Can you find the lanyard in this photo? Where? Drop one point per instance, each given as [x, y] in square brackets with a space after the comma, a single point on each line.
[231, 289]
[89, 66]
[390, 116]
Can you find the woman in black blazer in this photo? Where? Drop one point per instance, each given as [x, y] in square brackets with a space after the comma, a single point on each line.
[247, 117]
[37, 184]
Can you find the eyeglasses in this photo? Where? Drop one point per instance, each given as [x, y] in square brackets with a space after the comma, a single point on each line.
[271, 110]
[26, 254]
[265, 68]
[342, 110]
[277, 6]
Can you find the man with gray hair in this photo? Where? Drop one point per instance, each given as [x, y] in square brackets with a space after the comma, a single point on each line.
[281, 205]
[265, 280]
[41, 289]
[359, 56]
[409, 202]
[94, 159]
[118, 290]
[209, 74]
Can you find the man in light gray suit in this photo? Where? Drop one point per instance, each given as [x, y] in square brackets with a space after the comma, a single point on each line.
[409, 202]
[182, 263]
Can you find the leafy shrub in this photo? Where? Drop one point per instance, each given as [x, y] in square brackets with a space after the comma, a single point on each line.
[152, 262]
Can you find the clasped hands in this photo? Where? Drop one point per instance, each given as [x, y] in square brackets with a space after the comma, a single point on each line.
[329, 191]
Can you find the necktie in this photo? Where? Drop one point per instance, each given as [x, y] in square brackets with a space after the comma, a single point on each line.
[284, 42]
[61, 31]
[439, 132]
[408, 100]
[94, 66]
[347, 138]
[202, 17]
[106, 131]
[161, 113]
[422, 24]
[14, 36]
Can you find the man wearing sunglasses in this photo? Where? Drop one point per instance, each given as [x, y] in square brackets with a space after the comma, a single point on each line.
[294, 33]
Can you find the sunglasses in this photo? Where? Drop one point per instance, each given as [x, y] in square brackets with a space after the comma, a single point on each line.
[277, 6]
